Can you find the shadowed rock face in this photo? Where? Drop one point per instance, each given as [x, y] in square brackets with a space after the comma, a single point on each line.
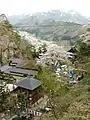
[3, 18]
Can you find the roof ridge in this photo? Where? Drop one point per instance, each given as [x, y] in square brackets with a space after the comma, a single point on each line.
[29, 83]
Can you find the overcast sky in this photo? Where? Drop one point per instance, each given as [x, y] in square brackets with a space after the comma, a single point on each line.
[10, 7]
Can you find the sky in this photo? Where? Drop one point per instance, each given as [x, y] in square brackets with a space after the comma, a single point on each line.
[12, 7]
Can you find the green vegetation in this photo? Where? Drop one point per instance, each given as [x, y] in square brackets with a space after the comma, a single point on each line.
[4, 102]
[48, 79]
[71, 103]
[66, 38]
[30, 64]
[68, 102]
[88, 29]
[9, 42]
[56, 31]
[11, 45]
[28, 51]
[83, 48]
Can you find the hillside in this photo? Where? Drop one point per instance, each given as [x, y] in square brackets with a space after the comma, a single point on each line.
[71, 102]
[11, 43]
[86, 36]
[9, 40]
[83, 46]
[68, 101]
[52, 25]
[64, 32]
[48, 51]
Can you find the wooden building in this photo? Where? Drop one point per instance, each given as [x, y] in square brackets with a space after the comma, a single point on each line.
[72, 53]
[73, 50]
[32, 87]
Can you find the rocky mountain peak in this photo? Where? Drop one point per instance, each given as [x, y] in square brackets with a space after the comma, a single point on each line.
[56, 15]
[3, 18]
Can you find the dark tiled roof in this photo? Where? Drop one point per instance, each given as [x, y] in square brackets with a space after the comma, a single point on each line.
[19, 71]
[29, 83]
[5, 67]
[73, 50]
[23, 71]
[14, 70]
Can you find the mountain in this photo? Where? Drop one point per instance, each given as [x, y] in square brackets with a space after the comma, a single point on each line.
[52, 25]
[63, 32]
[15, 18]
[56, 15]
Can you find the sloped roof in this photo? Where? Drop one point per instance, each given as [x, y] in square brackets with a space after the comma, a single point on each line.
[17, 71]
[5, 67]
[23, 71]
[29, 83]
[72, 50]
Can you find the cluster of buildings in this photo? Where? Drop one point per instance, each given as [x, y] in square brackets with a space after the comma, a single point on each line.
[27, 82]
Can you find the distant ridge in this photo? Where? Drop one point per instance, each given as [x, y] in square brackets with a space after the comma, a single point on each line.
[56, 15]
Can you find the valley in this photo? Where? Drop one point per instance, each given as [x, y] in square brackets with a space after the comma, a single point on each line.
[54, 52]
[63, 32]
[45, 67]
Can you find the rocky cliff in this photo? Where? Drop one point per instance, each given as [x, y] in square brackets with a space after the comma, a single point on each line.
[9, 40]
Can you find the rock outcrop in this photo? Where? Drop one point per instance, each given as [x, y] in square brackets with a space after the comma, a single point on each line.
[86, 36]
[3, 18]
[9, 40]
